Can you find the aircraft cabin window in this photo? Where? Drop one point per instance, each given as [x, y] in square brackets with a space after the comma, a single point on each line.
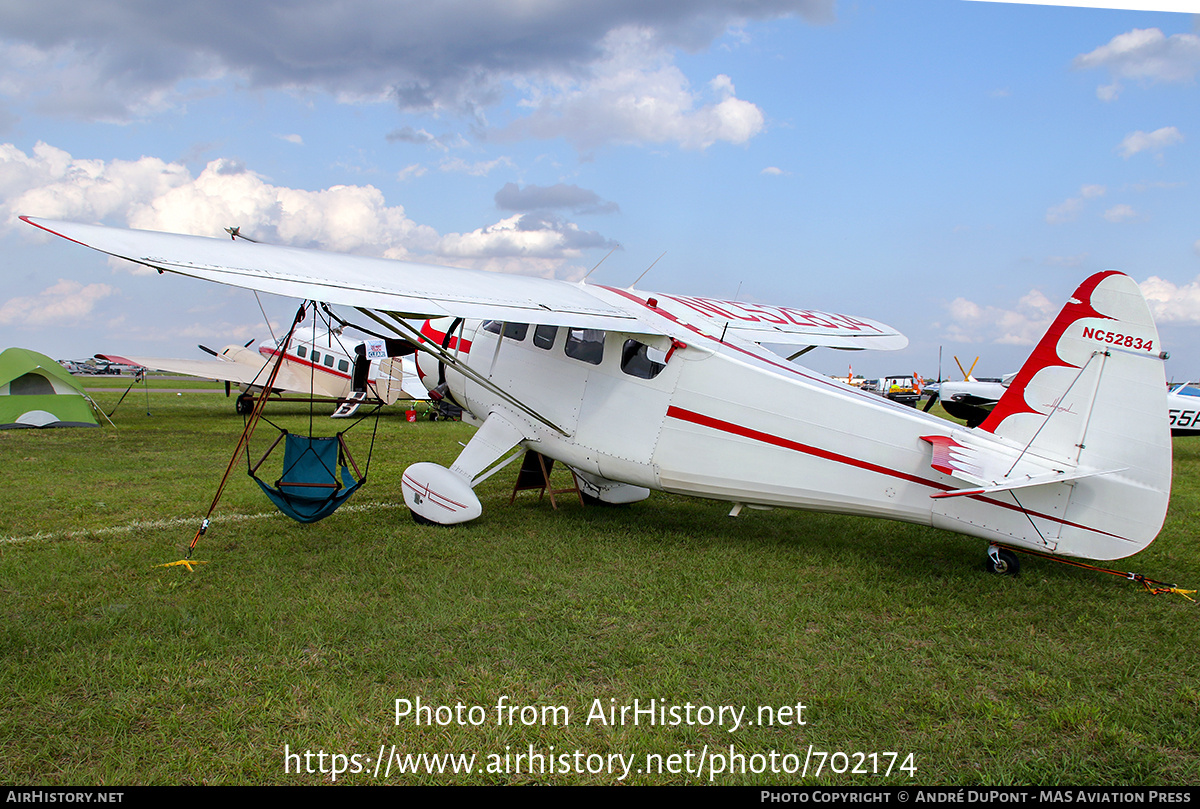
[515, 331]
[301, 351]
[586, 345]
[543, 336]
[328, 360]
[635, 362]
[316, 357]
[492, 325]
[343, 366]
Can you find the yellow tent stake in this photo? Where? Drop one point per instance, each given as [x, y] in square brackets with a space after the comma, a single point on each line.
[186, 563]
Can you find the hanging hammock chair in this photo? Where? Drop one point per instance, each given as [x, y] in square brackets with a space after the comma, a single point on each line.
[317, 475]
[316, 478]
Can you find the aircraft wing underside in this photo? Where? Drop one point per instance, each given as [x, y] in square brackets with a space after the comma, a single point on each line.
[411, 290]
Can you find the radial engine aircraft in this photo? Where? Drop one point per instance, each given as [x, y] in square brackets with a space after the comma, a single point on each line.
[316, 363]
[972, 399]
[637, 391]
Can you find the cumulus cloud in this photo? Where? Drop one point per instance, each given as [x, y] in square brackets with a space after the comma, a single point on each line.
[51, 183]
[63, 304]
[1022, 325]
[1145, 55]
[554, 197]
[153, 195]
[1171, 303]
[1153, 142]
[636, 94]
[343, 218]
[522, 236]
[108, 60]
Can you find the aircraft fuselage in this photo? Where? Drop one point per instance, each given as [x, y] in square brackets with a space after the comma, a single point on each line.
[729, 422]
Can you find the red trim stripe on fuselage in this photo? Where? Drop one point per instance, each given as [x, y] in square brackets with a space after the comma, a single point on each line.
[699, 419]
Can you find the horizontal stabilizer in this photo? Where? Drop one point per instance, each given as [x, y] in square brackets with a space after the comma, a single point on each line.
[995, 469]
[1022, 482]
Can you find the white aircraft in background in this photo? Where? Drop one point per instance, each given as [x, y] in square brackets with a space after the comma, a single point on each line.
[320, 364]
[972, 399]
[1183, 408]
[637, 391]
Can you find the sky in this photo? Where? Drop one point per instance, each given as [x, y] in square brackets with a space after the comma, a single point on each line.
[952, 168]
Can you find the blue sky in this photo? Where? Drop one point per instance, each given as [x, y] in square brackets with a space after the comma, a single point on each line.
[952, 168]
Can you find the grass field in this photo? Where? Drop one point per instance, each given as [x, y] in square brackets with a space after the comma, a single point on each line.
[114, 671]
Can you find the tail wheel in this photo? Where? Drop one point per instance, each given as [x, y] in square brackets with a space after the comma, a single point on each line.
[1002, 561]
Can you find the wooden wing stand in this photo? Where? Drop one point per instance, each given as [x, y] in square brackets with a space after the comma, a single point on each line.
[535, 474]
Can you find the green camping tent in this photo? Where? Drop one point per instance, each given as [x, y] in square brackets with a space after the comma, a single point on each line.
[35, 391]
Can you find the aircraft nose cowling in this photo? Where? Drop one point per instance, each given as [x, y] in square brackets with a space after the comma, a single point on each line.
[435, 494]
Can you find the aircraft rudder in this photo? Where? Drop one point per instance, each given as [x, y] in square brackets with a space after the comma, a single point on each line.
[1092, 396]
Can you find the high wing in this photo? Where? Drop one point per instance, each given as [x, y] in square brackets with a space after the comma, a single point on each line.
[764, 324]
[408, 289]
[405, 288]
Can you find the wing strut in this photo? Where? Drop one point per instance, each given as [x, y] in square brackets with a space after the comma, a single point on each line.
[423, 343]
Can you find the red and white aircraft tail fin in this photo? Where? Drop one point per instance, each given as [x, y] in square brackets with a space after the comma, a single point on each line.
[1091, 401]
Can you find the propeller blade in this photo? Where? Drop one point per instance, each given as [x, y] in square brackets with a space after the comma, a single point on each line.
[960, 368]
[933, 397]
[208, 350]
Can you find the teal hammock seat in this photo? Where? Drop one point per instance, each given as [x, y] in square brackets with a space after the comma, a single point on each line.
[311, 488]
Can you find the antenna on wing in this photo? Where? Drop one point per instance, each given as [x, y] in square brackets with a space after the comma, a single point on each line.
[598, 263]
[235, 233]
[648, 269]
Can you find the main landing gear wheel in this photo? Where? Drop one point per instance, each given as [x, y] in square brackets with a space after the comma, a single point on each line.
[244, 404]
[1002, 562]
[419, 520]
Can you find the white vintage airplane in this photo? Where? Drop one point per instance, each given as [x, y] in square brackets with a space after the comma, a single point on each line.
[1183, 408]
[316, 363]
[972, 399]
[638, 391]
